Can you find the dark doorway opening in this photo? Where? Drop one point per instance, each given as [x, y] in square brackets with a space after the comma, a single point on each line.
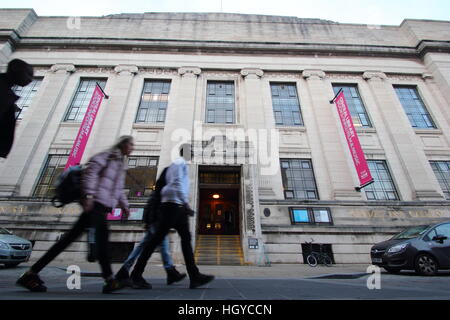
[219, 211]
[219, 201]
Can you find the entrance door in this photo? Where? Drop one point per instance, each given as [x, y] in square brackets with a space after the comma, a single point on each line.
[219, 211]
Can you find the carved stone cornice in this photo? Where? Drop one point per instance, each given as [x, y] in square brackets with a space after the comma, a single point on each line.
[374, 75]
[313, 74]
[252, 73]
[62, 68]
[189, 71]
[126, 69]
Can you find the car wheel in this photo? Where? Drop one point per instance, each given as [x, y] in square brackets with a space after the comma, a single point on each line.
[12, 265]
[426, 265]
[392, 270]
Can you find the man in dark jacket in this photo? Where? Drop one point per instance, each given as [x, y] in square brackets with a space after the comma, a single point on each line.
[174, 213]
[150, 219]
[18, 73]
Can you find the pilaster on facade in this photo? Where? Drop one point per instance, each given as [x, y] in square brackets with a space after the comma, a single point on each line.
[407, 151]
[181, 110]
[327, 148]
[190, 72]
[256, 111]
[111, 122]
[31, 147]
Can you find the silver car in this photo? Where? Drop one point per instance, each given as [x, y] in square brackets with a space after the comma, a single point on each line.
[13, 249]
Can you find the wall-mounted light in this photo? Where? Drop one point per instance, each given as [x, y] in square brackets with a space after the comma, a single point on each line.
[216, 196]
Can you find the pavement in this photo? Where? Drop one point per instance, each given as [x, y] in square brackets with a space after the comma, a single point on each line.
[275, 282]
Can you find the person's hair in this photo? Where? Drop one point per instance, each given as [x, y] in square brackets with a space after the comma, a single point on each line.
[184, 146]
[122, 141]
[16, 65]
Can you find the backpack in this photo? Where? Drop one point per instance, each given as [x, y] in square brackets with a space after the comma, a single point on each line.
[68, 187]
[154, 201]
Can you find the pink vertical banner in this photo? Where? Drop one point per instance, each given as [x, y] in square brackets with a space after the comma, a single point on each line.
[85, 129]
[359, 160]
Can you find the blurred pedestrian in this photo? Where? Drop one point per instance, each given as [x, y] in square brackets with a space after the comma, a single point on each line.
[151, 218]
[174, 214]
[102, 185]
[18, 73]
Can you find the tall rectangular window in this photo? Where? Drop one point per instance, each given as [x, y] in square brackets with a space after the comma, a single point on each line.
[414, 107]
[141, 176]
[154, 100]
[298, 179]
[54, 166]
[383, 187]
[81, 100]
[442, 171]
[355, 105]
[220, 102]
[26, 95]
[286, 106]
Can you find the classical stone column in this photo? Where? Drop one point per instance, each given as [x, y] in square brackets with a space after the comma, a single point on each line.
[254, 174]
[259, 116]
[179, 123]
[31, 147]
[112, 111]
[403, 137]
[180, 112]
[327, 148]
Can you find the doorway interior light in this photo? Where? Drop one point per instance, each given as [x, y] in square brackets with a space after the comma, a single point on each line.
[216, 196]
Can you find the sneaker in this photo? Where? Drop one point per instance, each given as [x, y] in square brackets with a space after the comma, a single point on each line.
[200, 280]
[31, 282]
[140, 283]
[112, 285]
[174, 276]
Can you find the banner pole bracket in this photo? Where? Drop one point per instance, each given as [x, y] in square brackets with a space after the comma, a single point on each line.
[332, 100]
[364, 185]
[106, 96]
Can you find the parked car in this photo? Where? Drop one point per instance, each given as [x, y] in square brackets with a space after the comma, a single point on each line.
[425, 249]
[13, 249]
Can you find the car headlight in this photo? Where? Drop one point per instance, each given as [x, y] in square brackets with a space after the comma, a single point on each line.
[398, 248]
[3, 245]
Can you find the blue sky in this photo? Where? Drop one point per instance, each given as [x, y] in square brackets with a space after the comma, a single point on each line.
[385, 12]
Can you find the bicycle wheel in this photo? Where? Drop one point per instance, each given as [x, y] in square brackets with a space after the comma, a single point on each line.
[312, 260]
[327, 261]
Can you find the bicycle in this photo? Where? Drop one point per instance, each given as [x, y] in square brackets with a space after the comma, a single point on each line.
[315, 257]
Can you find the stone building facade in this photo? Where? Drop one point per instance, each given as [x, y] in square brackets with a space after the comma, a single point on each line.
[225, 72]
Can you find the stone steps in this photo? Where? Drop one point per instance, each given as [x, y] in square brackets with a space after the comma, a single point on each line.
[219, 250]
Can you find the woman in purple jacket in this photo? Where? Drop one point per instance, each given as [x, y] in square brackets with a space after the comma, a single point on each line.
[102, 184]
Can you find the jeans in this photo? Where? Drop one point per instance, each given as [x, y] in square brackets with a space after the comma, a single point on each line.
[164, 248]
[172, 216]
[95, 218]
